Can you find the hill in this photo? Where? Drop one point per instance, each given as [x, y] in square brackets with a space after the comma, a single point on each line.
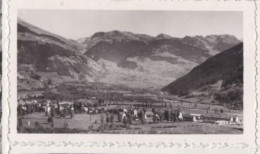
[220, 77]
[44, 56]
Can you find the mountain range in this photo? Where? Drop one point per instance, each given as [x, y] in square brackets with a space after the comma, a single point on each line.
[115, 57]
[144, 61]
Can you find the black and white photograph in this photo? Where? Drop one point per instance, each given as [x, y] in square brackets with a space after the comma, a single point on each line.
[130, 72]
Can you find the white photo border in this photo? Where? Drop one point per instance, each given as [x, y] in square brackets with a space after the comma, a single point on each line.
[103, 143]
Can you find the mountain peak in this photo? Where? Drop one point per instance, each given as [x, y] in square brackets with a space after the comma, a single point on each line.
[110, 33]
[163, 36]
[115, 34]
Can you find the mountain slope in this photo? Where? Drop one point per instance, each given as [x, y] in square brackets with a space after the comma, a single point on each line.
[213, 43]
[41, 53]
[114, 45]
[226, 67]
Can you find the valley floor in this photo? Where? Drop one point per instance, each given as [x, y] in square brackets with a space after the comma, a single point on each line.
[113, 100]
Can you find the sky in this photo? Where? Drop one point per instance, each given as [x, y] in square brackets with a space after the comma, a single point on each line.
[76, 24]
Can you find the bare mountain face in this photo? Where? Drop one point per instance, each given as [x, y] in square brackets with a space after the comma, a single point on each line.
[219, 78]
[144, 61]
[43, 56]
[212, 43]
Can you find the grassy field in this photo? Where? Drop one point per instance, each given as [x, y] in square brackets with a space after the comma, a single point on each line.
[86, 123]
[123, 97]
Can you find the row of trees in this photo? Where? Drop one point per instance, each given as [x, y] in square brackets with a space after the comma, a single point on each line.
[232, 98]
